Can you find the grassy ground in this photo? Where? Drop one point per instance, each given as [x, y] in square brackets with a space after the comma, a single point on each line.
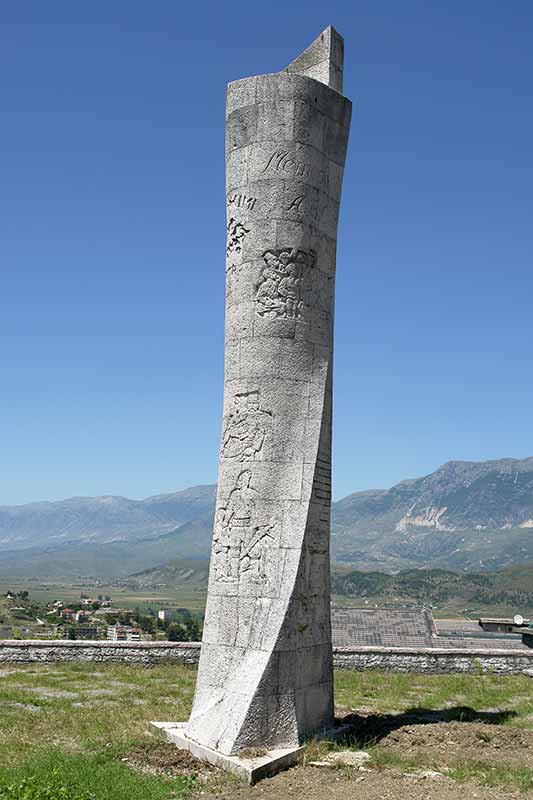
[80, 728]
[82, 720]
[509, 696]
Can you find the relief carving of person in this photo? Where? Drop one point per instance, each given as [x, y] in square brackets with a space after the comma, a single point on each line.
[286, 284]
[267, 286]
[240, 547]
[241, 503]
[245, 428]
[289, 291]
[225, 551]
[253, 559]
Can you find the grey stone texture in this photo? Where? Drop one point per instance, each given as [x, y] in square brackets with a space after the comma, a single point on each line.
[323, 60]
[392, 659]
[250, 768]
[433, 661]
[47, 651]
[266, 672]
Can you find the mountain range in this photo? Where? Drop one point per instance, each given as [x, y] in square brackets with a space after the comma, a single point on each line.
[475, 516]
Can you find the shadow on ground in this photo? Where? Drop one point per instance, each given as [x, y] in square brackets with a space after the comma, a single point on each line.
[369, 729]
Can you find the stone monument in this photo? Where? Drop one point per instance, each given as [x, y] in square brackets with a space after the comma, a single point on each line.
[265, 677]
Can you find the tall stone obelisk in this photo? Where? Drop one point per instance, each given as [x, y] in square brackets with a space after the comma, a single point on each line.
[265, 677]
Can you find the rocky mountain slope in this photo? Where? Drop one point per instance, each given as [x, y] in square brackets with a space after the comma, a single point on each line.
[465, 515]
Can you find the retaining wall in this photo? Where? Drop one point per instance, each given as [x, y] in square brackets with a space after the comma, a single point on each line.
[390, 659]
[434, 661]
[46, 651]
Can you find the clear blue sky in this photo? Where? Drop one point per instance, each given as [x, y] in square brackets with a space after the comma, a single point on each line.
[112, 236]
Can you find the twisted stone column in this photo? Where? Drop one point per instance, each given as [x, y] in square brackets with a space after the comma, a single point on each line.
[265, 677]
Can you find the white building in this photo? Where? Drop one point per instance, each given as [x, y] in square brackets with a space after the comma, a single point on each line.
[123, 633]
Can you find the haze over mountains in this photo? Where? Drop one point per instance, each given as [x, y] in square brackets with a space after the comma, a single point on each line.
[105, 536]
[100, 519]
[465, 515]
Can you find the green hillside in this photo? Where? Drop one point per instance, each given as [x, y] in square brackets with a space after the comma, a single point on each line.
[177, 572]
[510, 589]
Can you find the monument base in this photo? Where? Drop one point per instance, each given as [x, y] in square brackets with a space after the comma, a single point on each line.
[250, 769]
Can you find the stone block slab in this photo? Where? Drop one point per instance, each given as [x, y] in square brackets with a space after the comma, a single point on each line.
[251, 769]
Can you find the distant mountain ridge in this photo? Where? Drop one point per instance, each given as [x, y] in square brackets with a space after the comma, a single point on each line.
[475, 516]
[101, 519]
[465, 515]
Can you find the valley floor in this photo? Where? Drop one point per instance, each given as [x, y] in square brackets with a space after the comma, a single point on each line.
[81, 732]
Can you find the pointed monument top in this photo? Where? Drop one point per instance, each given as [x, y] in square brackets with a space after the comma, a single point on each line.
[323, 60]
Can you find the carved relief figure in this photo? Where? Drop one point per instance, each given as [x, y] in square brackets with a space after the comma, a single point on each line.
[245, 428]
[241, 504]
[230, 528]
[240, 545]
[289, 290]
[267, 286]
[226, 551]
[253, 558]
[236, 233]
[289, 284]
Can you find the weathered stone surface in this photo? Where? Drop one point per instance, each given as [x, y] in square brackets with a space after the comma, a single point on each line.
[266, 673]
[51, 651]
[249, 767]
[432, 661]
[322, 60]
[391, 659]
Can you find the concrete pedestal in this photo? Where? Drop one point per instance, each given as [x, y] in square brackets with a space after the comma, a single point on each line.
[250, 769]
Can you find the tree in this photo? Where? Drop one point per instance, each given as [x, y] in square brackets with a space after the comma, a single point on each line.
[192, 630]
[146, 623]
[174, 633]
[186, 631]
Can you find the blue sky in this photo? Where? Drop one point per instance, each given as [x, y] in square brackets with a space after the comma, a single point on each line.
[112, 236]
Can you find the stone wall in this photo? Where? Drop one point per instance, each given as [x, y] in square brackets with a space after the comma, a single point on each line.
[389, 659]
[149, 653]
[433, 661]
